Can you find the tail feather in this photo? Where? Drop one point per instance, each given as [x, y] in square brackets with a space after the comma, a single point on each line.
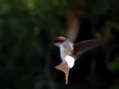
[63, 66]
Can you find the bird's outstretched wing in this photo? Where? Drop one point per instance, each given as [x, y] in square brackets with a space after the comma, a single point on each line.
[72, 25]
[84, 46]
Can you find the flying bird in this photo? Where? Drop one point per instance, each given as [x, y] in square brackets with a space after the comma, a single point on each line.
[70, 51]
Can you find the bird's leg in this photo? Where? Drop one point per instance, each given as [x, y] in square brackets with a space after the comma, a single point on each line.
[63, 66]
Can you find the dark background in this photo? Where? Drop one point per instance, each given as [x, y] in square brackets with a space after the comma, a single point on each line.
[27, 28]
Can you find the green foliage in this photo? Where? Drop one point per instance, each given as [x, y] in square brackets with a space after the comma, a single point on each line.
[115, 87]
[115, 65]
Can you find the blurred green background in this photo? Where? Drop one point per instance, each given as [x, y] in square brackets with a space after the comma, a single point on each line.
[27, 28]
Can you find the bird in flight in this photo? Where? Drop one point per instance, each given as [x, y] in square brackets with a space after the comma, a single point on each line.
[70, 51]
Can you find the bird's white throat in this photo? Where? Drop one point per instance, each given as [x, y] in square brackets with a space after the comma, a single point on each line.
[70, 61]
[66, 48]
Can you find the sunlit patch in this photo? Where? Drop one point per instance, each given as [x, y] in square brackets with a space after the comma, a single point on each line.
[70, 61]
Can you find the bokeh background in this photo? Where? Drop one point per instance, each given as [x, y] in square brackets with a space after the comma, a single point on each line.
[27, 59]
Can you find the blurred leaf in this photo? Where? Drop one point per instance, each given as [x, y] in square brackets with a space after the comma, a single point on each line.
[115, 87]
[115, 65]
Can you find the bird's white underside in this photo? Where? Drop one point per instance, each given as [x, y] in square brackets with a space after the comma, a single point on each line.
[66, 49]
[70, 61]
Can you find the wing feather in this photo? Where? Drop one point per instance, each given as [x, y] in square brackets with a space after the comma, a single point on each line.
[84, 46]
[72, 25]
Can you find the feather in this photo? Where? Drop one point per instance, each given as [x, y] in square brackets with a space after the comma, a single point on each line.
[72, 25]
[63, 66]
[84, 46]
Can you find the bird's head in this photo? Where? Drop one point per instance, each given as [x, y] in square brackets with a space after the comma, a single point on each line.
[58, 40]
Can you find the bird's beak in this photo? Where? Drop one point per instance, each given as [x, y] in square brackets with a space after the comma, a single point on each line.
[56, 44]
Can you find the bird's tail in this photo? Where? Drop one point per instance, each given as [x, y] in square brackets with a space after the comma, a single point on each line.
[63, 66]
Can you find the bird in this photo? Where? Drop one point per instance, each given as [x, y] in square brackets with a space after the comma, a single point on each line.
[70, 52]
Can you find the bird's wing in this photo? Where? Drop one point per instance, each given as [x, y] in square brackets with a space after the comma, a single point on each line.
[84, 46]
[72, 25]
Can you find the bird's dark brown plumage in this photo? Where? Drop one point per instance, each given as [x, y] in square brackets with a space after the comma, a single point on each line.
[84, 46]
